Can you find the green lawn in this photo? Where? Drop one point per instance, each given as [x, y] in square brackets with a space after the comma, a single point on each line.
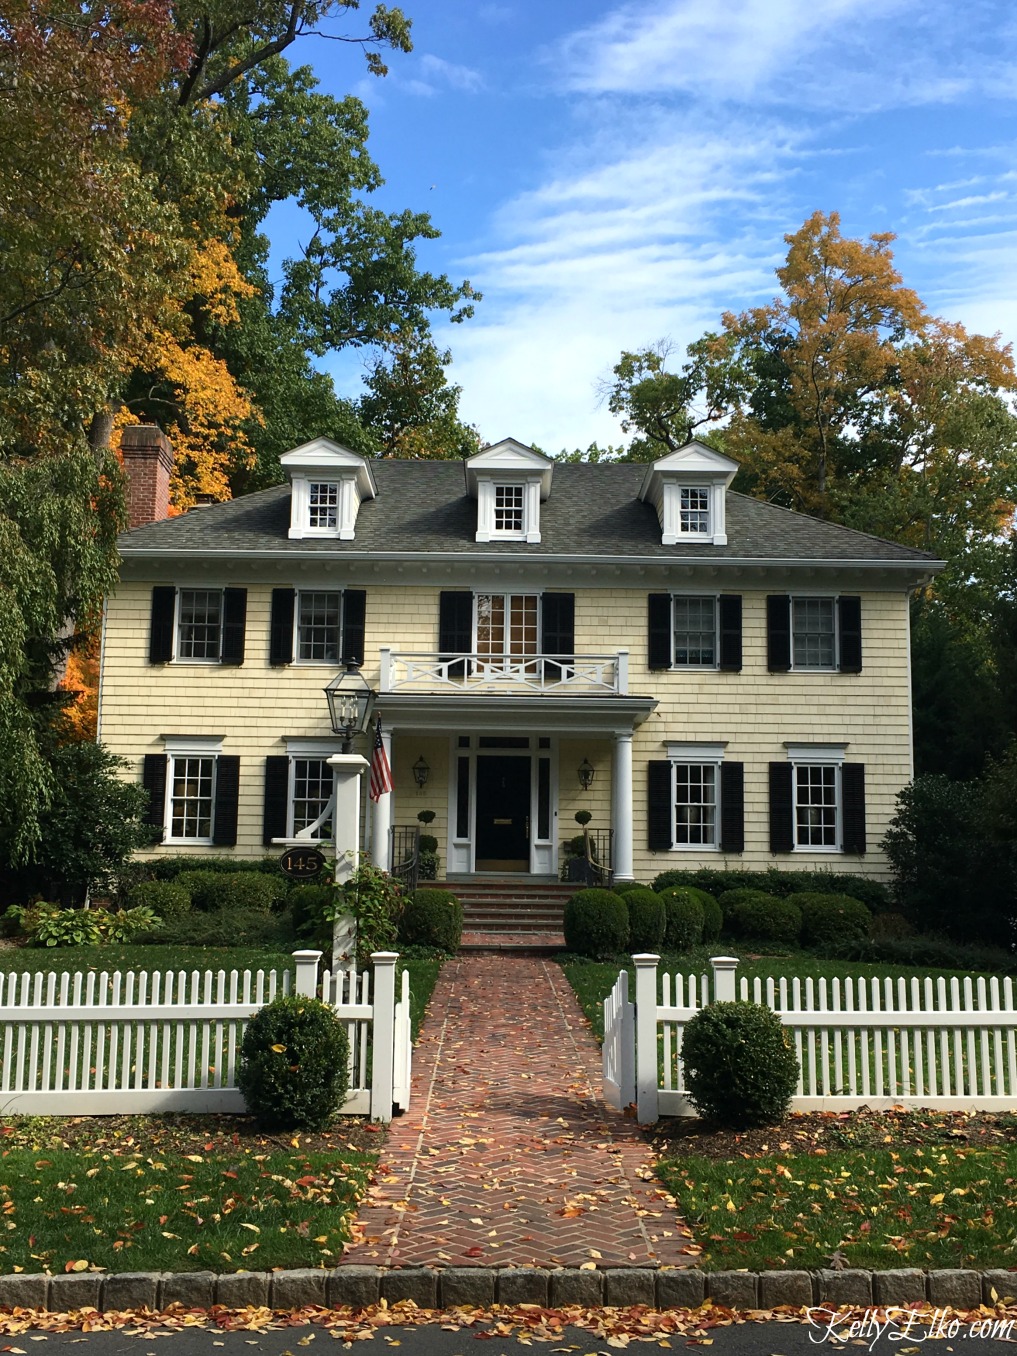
[938, 1206]
[592, 980]
[175, 1193]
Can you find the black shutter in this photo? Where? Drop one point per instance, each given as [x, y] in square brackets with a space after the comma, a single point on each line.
[354, 625]
[160, 634]
[659, 641]
[227, 795]
[234, 625]
[660, 807]
[558, 631]
[455, 628]
[732, 807]
[280, 640]
[730, 633]
[153, 779]
[849, 623]
[782, 836]
[778, 633]
[853, 789]
[277, 793]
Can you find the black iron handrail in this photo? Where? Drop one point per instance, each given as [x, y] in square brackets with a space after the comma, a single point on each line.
[406, 855]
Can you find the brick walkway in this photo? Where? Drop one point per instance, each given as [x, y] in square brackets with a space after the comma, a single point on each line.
[508, 1156]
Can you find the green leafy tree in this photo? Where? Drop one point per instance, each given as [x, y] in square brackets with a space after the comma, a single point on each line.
[410, 408]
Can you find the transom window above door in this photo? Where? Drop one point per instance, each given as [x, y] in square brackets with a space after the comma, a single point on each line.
[507, 625]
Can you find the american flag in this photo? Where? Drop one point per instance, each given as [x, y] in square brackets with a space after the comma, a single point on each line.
[381, 773]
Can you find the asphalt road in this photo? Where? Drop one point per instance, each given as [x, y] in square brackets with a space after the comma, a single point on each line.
[747, 1339]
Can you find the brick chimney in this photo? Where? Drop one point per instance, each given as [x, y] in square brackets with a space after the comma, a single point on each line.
[148, 461]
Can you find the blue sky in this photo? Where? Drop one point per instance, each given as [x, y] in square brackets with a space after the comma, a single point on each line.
[612, 174]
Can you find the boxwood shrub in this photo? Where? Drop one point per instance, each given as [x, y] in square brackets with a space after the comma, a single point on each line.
[622, 887]
[780, 883]
[647, 919]
[432, 918]
[293, 1068]
[165, 898]
[226, 928]
[596, 924]
[831, 918]
[239, 890]
[740, 1070]
[754, 916]
[310, 909]
[685, 918]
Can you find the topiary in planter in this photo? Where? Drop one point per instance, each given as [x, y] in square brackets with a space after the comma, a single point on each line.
[293, 1069]
[685, 917]
[432, 918]
[758, 917]
[164, 897]
[739, 1068]
[831, 919]
[596, 924]
[647, 919]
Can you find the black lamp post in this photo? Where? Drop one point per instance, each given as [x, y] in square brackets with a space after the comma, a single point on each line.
[350, 702]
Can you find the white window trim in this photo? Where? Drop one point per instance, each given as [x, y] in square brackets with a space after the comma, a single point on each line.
[671, 514]
[346, 510]
[699, 755]
[506, 594]
[196, 588]
[815, 668]
[299, 746]
[696, 668]
[486, 486]
[189, 746]
[817, 755]
[295, 659]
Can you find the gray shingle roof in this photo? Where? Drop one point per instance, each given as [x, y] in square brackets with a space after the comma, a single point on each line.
[422, 506]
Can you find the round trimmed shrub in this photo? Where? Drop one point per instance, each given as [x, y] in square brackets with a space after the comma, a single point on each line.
[647, 919]
[758, 917]
[831, 919]
[165, 898]
[685, 917]
[198, 883]
[739, 1068]
[596, 924]
[624, 887]
[432, 918]
[713, 916]
[249, 890]
[293, 1064]
[428, 842]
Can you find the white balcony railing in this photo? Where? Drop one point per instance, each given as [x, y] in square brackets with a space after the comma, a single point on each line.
[515, 675]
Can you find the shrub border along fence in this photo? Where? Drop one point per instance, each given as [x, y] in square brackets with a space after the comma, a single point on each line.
[943, 1045]
[122, 1044]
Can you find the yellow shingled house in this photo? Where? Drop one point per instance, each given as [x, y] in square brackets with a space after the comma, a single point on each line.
[719, 681]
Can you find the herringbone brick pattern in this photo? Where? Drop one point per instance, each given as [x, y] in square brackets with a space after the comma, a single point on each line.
[508, 1156]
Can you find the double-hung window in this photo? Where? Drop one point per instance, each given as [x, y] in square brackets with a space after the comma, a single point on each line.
[695, 632]
[694, 510]
[192, 798]
[814, 633]
[193, 790]
[697, 797]
[319, 626]
[696, 800]
[509, 510]
[817, 805]
[817, 801]
[323, 505]
[199, 624]
[312, 798]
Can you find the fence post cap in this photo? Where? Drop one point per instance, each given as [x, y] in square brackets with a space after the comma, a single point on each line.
[645, 959]
[384, 957]
[724, 962]
[307, 956]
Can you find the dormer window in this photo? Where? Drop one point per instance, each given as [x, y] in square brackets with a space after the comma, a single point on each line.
[509, 510]
[688, 488]
[329, 483]
[323, 504]
[694, 510]
[509, 481]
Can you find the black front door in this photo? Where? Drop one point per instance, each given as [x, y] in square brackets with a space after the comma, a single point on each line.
[503, 814]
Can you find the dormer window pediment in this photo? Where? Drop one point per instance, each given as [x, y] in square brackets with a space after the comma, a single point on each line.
[688, 488]
[509, 481]
[329, 483]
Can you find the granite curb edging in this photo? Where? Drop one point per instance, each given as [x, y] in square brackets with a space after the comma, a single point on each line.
[358, 1287]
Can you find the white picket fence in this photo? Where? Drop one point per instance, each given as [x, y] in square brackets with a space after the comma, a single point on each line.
[111, 1044]
[946, 1044]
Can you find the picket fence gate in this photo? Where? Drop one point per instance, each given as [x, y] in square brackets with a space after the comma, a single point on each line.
[114, 1044]
[941, 1044]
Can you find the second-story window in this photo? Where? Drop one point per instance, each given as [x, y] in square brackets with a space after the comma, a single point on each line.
[199, 624]
[323, 505]
[694, 510]
[507, 624]
[509, 509]
[319, 626]
[814, 633]
[695, 632]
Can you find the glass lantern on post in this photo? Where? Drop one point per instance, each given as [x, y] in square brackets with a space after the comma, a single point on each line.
[350, 702]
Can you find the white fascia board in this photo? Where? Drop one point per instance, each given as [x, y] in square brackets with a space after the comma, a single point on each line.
[509, 461]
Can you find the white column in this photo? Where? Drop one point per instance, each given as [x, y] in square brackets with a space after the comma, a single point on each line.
[381, 818]
[621, 806]
[349, 768]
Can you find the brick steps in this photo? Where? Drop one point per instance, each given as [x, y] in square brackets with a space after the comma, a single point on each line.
[508, 906]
